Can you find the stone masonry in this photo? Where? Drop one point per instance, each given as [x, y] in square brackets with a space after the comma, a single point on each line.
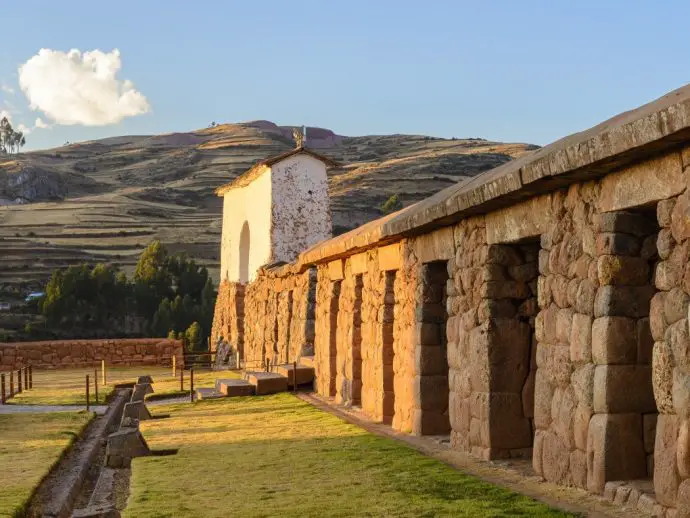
[80, 353]
[538, 310]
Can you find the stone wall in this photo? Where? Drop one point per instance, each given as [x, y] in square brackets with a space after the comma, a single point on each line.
[279, 317]
[228, 318]
[539, 310]
[83, 353]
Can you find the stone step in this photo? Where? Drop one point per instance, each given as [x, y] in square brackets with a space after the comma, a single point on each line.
[208, 393]
[307, 361]
[305, 373]
[267, 382]
[233, 387]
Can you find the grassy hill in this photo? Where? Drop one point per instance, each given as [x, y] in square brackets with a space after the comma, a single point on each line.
[105, 200]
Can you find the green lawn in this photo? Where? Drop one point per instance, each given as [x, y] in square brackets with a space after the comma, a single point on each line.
[279, 456]
[29, 446]
[68, 386]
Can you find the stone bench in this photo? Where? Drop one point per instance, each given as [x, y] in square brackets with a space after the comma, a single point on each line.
[267, 382]
[234, 387]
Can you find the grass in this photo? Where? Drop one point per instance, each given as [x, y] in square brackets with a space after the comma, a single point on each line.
[279, 456]
[68, 386]
[30, 444]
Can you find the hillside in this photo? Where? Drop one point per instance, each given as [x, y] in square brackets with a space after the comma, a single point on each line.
[105, 200]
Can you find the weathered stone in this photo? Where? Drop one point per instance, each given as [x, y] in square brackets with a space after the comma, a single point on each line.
[657, 321]
[586, 295]
[665, 243]
[614, 340]
[683, 449]
[614, 450]
[582, 381]
[666, 477]
[639, 185]
[524, 272]
[681, 394]
[617, 244]
[620, 389]
[537, 452]
[581, 338]
[563, 414]
[675, 305]
[680, 218]
[123, 446]
[564, 322]
[667, 275]
[555, 459]
[504, 255]
[622, 270]
[678, 339]
[624, 301]
[144, 379]
[573, 286]
[528, 395]
[581, 426]
[505, 290]
[662, 377]
[683, 508]
[136, 410]
[140, 391]
[578, 468]
[664, 209]
[508, 354]
[649, 252]
[543, 397]
[509, 428]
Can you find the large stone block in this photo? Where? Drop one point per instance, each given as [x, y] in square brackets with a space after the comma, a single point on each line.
[614, 340]
[585, 297]
[681, 394]
[431, 392]
[683, 449]
[508, 427]
[615, 450]
[662, 377]
[666, 476]
[624, 301]
[123, 446]
[555, 459]
[136, 410]
[581, 338]
[639, 185]
[645, 342]
[683, 501]
[622, 270]
[543, 397]
[141, 391]
[621, 389]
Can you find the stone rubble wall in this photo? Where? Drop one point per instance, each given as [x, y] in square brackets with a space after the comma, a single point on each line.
[85, 353]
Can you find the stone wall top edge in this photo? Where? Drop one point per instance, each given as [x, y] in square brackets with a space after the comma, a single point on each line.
[94, 342]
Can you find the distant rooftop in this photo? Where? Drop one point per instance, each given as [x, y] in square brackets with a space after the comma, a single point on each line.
[248, 176]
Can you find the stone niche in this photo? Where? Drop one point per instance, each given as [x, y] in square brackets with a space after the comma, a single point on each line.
[431, 351]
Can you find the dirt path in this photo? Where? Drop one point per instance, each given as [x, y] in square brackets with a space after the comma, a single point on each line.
[516, 475]
[44, 409]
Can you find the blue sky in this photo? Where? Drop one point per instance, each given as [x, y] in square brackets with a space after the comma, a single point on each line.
[511, 71]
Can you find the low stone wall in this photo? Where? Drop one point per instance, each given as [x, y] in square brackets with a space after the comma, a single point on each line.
[81, 353]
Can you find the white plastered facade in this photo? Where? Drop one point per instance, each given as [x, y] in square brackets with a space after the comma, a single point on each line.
[285, 209]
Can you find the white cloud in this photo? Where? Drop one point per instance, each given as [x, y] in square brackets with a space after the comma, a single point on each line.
[7, 89]
[75, 88]
[40, 124]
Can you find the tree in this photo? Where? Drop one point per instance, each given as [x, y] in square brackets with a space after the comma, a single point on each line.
[152, 280]
[193, 337]
[10, 140]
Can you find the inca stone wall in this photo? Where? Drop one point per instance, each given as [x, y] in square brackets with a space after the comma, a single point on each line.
[228, 318]
[539, 310]
[279, 317]
[84, 353]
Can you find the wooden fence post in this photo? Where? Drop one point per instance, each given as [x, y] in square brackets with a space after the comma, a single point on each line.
[11, 383]
[174, 366]
[26, 378]
[181, 380]
[19, 381]
[88, 384]
[191, 385]
[104, 381]
[31, 376]
[95, 384]
[3, 394]
[294, 376]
